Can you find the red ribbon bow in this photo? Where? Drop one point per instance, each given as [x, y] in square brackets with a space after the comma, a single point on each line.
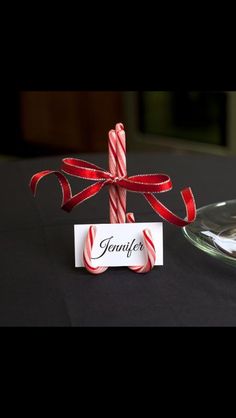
[146, 184]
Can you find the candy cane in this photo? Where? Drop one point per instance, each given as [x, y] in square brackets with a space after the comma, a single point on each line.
[121, 171]
[112, 139]
[148, 242]
[88, 251]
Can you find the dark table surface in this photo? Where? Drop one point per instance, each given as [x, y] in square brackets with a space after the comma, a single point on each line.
[39, 285]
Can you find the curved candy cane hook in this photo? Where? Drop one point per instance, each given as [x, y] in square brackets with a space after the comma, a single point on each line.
[88, 251]
[151, 252]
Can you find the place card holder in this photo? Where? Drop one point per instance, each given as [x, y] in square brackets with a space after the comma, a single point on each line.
[118, 183]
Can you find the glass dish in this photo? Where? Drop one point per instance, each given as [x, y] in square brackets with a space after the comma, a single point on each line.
[214, 230]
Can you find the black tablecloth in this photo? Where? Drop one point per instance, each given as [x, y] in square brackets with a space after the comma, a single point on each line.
[39, 285]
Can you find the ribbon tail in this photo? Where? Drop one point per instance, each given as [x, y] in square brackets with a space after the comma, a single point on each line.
[83, 195]
[65, 185]
[169, 216]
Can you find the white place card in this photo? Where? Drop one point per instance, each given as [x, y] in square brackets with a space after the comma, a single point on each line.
[119, 244]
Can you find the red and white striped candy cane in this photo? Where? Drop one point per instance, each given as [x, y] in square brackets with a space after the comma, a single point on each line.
[148, 242]
[88, 251]
[112, 139]
[121, 171]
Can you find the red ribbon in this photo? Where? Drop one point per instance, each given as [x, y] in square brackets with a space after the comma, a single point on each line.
[146, 184]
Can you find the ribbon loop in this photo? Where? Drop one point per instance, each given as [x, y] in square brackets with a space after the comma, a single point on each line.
[146, 183]
[84, 169]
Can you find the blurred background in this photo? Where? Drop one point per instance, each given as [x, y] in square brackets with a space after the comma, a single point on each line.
[61, 122]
